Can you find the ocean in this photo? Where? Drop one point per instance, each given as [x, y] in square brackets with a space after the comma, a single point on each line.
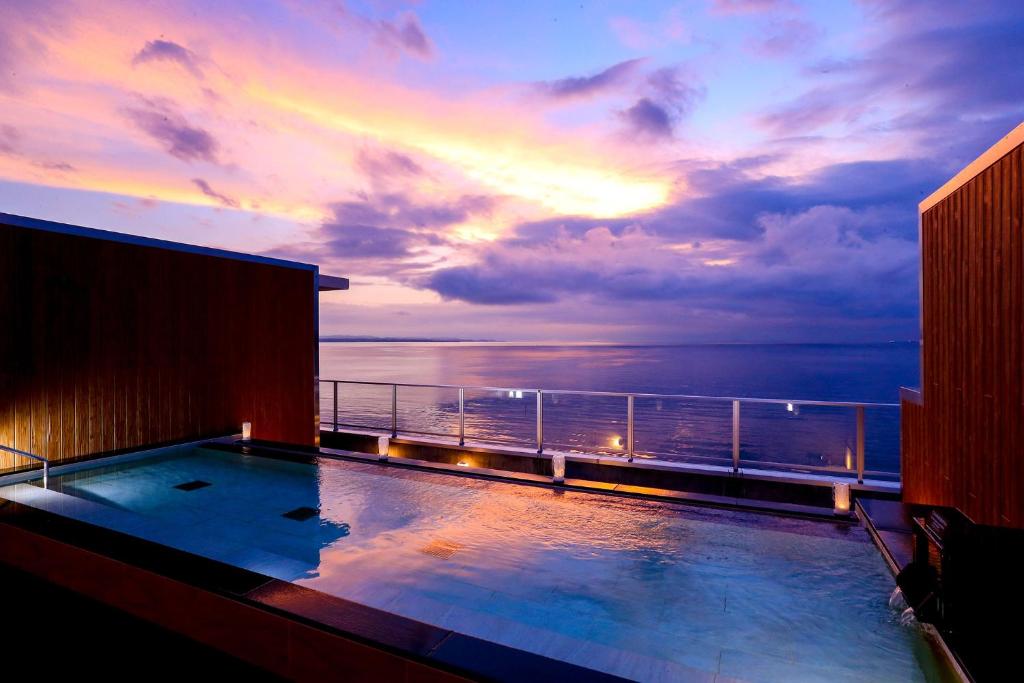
[805, 437]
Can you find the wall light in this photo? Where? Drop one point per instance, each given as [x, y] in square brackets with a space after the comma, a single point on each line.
[246, 431]
[462, 463]
[383, 446]
[558, 468]
[841, 499]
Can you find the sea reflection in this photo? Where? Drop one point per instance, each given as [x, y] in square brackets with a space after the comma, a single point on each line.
[671, 429]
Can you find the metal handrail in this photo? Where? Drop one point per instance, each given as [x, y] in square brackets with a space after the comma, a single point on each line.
[31, 456]
[736, 401]
[623, 394]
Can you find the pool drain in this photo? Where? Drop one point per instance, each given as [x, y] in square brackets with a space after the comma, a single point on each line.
[441, 548]
[193, 485]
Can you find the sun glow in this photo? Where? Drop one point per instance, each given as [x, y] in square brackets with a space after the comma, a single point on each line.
[556, 176]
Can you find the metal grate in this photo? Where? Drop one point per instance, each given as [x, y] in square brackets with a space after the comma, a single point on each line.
[193, 485]
[301, 514]
[441, 549]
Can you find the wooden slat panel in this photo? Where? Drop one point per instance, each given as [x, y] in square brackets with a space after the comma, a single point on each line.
[963, 446]
[110, 345]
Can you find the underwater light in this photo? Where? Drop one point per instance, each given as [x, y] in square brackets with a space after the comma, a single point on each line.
[841, 498]
[616, 441]
[246, 431]
[849, 459]
[383, 446]
[558, 468]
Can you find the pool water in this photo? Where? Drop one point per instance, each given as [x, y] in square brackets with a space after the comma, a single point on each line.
[645, 590]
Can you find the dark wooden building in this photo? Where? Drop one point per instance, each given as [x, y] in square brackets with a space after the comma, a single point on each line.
[963, 432]
[112, 342]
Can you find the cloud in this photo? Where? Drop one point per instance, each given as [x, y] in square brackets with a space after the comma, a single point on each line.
[12, 145]
[783, 38]
[405, 33]
[792, 269]
[382, 234]
[764, 252]
[948, 82]
[205, 188]
[748, 6]
[398, 210]
[648, 120]
[10, 139]
[670, 96]
[384, 165]
[24, 30]
[165, 124]
[402, 34]
[167, 51]
[354, 241]
[587, 86]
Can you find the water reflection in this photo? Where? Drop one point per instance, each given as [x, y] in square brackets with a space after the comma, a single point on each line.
[672, 429]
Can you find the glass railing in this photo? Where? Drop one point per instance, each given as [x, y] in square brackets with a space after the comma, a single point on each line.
[724, 431]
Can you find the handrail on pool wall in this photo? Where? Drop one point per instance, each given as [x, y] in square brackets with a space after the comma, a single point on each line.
[791, 404]
[31, 456]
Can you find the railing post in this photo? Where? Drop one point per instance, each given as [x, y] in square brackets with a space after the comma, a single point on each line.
[462, 416]
[540, 421]
[335, 406]
[735, 436]
[860, 444]
[394, 410]
[629, 427]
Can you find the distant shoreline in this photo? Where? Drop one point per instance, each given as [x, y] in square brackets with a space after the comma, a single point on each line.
[497, 342]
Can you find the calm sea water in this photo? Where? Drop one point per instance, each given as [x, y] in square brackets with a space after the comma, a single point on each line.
[687, 430]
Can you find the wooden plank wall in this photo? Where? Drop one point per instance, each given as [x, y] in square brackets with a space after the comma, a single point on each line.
[106, 346]
[966, 451]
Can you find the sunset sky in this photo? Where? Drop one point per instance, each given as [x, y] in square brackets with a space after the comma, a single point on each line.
[712, 170]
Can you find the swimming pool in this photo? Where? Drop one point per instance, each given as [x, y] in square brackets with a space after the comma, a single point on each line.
[645, 590]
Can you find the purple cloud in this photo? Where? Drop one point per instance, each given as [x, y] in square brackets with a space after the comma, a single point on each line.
[403, 34]
[586, 86]
[10, 140]
[750, 251]
[748, 6]
[791, 269]
[162, 122]
[648, 120]
[382, 166]
[376, 234]
[167, 51]
[958, 70]
[670, 97]
[407, 34]
[11, 146]
[205, 188]
[353, 241]
[397, 210]
[783, 38]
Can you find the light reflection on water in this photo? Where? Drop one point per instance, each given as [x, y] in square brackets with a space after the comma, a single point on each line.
[672, 429]
[646, 590]
[749, 596]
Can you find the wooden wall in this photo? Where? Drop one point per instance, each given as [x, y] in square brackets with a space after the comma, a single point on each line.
[963, 446]
[106, 345]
